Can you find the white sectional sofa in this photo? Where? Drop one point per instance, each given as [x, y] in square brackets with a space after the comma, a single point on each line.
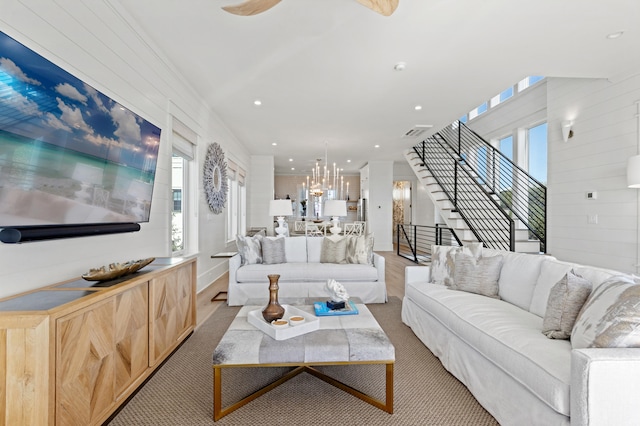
[303, 275]
[495, 346]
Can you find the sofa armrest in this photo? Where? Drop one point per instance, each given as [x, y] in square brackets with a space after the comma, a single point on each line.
[378, 262]
[605, 386]
[414, 274]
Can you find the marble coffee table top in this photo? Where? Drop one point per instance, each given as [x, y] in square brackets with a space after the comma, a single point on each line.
[347, 338]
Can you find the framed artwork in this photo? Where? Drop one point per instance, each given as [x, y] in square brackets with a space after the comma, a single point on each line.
[215, 178]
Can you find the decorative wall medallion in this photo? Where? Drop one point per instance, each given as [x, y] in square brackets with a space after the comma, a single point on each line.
[215, 178]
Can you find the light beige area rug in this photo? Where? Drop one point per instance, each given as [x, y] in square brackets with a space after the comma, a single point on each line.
[180, 393]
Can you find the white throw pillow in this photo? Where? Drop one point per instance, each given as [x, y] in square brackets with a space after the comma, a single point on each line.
[610, 318]
[443, 262]
[250, 249]
[360, 249]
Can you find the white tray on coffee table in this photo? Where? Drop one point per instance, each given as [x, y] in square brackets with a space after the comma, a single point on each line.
[311, 323]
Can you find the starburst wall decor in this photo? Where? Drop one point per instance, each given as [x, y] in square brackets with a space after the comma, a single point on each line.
[215, 178]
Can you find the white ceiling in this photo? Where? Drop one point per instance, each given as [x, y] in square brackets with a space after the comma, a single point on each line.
[324, 69]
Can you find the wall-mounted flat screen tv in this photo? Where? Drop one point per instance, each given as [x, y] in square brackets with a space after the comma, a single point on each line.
[68, 153]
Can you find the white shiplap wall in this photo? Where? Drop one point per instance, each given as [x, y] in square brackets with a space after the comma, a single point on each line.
[605, 135]
[95, 42]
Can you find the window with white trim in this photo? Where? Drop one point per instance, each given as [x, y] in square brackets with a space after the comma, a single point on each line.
[237, 201]
[537, 141]
[183, 141]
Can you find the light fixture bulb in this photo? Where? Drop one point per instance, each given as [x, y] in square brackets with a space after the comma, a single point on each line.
[400, 66]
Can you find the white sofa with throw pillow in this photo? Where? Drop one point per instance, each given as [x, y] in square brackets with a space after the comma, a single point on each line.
[304, 265]
[537, 341]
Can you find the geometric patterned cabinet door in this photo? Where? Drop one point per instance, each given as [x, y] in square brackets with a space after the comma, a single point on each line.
[101, 351]
[85, 364]
[131, 336]
[172, 314]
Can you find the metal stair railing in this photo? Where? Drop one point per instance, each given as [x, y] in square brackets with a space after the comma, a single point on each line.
[520, 193]
[414, 241]
[481, 212]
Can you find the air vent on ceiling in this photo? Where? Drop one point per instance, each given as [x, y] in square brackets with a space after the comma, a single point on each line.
[417, 130]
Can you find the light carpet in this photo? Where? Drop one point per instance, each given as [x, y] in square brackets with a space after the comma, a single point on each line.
[180, 393]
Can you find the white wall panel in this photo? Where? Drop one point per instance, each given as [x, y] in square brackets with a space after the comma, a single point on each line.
[96, 42]
[593, 160]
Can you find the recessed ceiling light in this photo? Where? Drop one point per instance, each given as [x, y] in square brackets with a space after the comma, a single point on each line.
[617, 34]
[257, 102]
[290, 159]
[417, 107]
[400, 66]
[348, 161]
[376, 146]
[274, 143]
[293, 168]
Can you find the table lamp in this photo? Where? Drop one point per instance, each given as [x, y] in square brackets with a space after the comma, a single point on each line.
[335, 208]
[280, 209]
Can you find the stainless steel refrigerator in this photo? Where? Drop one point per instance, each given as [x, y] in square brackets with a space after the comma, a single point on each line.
[362, 209]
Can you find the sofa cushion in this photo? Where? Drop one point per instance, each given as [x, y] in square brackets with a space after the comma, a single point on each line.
[477, 276]
[596, 275]
[506, 335]
[360, 249]
[295, 249]
[250, 249]
[306, 272]
[518, 277]
[443, 261]
[334, 250]
[566, 298]
[314, 249]
[273, 250]
[551, 271]
[610, 318]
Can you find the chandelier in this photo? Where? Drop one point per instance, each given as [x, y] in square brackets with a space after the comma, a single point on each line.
[323, 180]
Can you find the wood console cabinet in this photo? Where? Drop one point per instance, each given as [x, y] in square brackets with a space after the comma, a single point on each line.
[72, 352]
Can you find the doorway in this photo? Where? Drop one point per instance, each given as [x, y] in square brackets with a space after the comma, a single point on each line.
[401, 205]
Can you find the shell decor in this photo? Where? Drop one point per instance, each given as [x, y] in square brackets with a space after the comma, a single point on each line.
[215, 178]
[337, 290]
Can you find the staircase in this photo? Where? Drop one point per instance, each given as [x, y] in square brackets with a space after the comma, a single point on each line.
[479, 192]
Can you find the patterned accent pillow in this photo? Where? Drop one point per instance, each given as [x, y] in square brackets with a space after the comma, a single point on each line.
[566, 298]
[250, 249]
[478, 276]
[443, 261]
[273, 251]
[360, 249]
[334, 250]
[610, 318]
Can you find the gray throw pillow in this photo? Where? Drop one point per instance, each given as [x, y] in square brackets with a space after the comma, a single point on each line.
[610, 318]
[334, 250]
[477, 276]
[273, 250]
[250, 249]
[566, 298]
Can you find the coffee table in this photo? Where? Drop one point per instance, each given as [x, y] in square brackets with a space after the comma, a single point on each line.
[340, 340]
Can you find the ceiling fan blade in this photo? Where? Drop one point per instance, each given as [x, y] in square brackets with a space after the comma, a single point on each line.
[251, 7]
[383, 7]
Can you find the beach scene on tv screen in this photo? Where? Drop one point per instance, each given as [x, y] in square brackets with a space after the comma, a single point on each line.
[68, 153]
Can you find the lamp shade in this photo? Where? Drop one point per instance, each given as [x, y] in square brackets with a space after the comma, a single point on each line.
[280, 208]
[633, 172]
[335, 208]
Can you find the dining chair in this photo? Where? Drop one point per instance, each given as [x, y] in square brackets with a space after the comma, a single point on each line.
[313, 230]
